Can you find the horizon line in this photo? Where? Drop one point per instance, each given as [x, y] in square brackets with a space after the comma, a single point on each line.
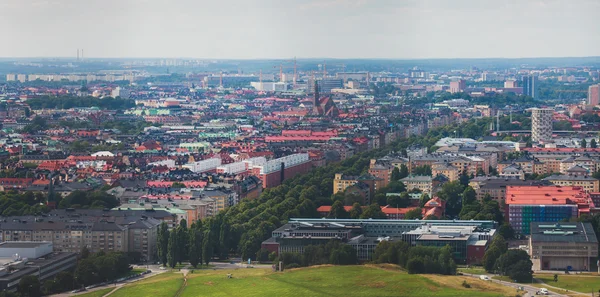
[301, 58]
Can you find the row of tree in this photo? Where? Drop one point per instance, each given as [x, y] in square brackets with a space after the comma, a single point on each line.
[416, 259]
[182, 244]
[334, 252]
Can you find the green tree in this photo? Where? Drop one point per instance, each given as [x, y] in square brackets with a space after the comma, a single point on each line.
[85, 253]
[452, 193]
[464, 178]
[469, 196]
[338, 211]
[506, 231]
[423, 200]
[207, 247]
[373, 211]
[402, 200]
[29, 286]
[593, 143]
[356, 211]
[403, 171]
[182, 241]
[489, 259]
[395, 174]
[516, 264]
[583, 143]
[173, 249]
[163, 243]
[422, 170]
[195, 247]
[414, 214]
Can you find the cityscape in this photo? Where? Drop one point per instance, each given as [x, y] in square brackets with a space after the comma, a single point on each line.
[243, 159]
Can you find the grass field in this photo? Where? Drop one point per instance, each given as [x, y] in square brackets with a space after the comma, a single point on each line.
[472, 270]
[98, 293]
[579, 283]
[333, 281]
[366, 280]
[162, 285]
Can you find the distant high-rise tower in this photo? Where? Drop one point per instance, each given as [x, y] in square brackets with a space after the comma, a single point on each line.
[541, 124]
[529, 84]
[594, 95]
[458, 86]
[316, 97]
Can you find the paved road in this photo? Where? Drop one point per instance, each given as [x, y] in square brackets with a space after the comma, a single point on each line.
[528, 288]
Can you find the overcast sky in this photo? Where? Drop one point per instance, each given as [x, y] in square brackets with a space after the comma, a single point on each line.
[285, 28]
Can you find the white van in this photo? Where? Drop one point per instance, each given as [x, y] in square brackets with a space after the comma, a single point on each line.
[484, 277]
[542, 291]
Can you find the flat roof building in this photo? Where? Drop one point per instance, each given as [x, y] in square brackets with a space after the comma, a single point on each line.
[526, 204]
[563, 246]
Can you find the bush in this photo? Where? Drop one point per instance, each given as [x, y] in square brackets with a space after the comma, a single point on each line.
[465, 284]
[293, 265]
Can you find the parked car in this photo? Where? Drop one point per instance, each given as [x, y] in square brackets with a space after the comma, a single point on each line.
[542, 291]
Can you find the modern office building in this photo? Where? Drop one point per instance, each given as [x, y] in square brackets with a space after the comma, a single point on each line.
[527, 204]
[529, 84]
[563, 246]
[326, 85]
[541, 124]
[363, 235]
[594, 95]
[468, 243]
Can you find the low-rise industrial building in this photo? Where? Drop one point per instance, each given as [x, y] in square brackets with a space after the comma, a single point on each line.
[22, 258]
[563, 246]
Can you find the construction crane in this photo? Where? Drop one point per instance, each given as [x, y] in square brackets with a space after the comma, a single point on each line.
[282, 66]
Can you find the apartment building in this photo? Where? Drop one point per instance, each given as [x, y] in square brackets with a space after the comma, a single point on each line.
[588, 183]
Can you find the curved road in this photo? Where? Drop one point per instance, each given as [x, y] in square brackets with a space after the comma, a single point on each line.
[530, 290]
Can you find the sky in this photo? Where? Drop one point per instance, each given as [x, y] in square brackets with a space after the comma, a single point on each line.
[258, 29]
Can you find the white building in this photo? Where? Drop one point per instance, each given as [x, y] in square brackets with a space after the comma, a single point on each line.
[541, 124]
[168, 162]
[204, 165]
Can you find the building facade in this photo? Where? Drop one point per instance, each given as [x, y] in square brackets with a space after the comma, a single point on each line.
[541, 124]
[563, 246]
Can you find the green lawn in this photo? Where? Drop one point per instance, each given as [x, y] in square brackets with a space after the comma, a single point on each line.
[329, 281]
[98, 293]
[472, 270]
[162, 285]
[579, 283]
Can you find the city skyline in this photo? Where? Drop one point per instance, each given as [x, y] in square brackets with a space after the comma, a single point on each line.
[305, 29]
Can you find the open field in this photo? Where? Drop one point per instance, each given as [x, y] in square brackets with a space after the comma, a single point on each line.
[313, 281]
[472, 270]
[163, 285]
[580, 283]
[366, 280]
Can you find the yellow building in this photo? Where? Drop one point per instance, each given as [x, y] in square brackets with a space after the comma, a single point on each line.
[449, 171]
[588, 183]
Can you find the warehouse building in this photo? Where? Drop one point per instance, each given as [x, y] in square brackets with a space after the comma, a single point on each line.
[563, 246]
